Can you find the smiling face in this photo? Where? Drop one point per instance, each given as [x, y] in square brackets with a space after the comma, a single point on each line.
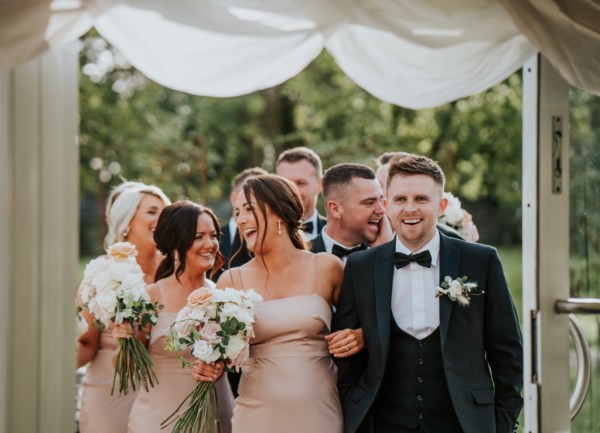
[143, 223]
[307, 180]
[413, 206]
[251, 221]
[361, 211]
[203, 252]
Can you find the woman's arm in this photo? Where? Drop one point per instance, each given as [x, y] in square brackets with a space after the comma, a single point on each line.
[346, 342]
[88, 343]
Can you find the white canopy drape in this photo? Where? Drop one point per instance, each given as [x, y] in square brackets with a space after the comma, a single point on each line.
[413, 54]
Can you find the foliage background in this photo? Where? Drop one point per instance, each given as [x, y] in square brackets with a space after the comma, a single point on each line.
[192, 146]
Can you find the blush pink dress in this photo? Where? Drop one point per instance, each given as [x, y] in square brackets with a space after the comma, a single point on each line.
[174, 384]
[289, 383]
[101, 412]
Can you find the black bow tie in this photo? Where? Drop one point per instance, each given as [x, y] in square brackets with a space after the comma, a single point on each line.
[423, 258]
[340, 251]
[308, 227]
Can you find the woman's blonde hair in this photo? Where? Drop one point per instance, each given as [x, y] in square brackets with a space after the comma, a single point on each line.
[121, 206]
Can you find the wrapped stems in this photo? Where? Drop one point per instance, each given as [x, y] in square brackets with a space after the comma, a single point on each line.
[201, 414]
[133, 366]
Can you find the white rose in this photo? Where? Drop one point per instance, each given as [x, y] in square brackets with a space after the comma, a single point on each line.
[104, 282]
[455, 289]
[235, 311]
[210, 312]
[198, 314]
[100, 314]
[235, 346]
[120, 270]
[107, 301]
[204, 351]
[96, 266]
[87, 292]
[252, 296]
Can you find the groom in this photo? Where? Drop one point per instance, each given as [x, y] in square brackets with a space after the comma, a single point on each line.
[431, 364]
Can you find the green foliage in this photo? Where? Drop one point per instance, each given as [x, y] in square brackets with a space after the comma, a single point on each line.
[193, 146]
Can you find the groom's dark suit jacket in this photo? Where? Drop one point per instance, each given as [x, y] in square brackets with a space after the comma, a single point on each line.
[481, 343]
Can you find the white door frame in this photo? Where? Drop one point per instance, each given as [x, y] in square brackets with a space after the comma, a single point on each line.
[545, 248]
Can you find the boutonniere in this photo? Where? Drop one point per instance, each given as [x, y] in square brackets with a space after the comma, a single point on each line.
[458, 290]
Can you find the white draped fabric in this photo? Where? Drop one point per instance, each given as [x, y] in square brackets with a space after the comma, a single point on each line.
[413, 54]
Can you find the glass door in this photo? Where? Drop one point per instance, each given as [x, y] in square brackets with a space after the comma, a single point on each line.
[584, 241]
[561, 253]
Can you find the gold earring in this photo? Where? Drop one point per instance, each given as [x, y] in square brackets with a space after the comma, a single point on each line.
[279, 227]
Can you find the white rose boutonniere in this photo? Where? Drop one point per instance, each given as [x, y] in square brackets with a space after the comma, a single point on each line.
[458, 290]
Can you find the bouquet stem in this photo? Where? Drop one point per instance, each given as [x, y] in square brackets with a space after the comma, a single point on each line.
[201, 414]
[134, 367]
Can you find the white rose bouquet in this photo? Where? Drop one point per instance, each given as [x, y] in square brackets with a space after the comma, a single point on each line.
[217, 324]
[459, 219]
[113, 290]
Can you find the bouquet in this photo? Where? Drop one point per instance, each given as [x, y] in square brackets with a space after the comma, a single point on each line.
[459, 219]
[113, 290]
[217, 325]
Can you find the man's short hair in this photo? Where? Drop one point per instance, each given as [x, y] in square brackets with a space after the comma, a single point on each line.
[301, 153]
[342, 174]
[241, 177]
[384, 158]
[415, 164]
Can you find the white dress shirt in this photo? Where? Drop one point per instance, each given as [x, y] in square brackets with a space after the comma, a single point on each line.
[415, 307]
[330, 242]
[232, 230]
[315, 231]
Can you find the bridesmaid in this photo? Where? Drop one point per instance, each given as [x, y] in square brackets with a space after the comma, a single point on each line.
[289, 382]
[188, 235]
[132, 212]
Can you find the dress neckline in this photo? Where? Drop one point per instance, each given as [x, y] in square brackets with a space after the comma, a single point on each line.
[296, 296]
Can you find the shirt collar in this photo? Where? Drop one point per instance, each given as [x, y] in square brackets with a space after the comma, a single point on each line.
[232, 228]
[433, 246]
[330, 242]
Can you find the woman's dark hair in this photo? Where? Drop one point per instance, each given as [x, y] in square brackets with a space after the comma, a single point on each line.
[176, 231]
[283, 199]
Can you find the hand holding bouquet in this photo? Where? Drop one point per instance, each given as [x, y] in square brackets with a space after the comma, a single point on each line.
[113, 290]
[217, 325]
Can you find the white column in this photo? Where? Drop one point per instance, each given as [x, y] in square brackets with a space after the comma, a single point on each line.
[39, 249]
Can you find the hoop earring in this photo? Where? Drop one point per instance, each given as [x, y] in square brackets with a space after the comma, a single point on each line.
[279, 227]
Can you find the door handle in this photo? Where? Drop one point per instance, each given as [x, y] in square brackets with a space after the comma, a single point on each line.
[582, 348]
[577, 306]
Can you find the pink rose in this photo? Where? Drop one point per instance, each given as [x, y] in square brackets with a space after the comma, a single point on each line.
[209, 332]
[122, 251]
[199, 297]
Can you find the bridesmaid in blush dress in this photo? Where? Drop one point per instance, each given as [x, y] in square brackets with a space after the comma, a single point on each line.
[289, 383]
[188, 235]
[131, 214]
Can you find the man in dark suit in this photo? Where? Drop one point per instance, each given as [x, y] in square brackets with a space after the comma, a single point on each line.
[431, 364]
[354, 206]
[303, 167]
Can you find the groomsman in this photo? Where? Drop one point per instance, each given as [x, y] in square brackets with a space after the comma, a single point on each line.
[432, 364]
[354, 206]
[303, 167]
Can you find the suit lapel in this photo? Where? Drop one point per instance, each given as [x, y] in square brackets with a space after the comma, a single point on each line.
[449, 263]
[384, 274]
